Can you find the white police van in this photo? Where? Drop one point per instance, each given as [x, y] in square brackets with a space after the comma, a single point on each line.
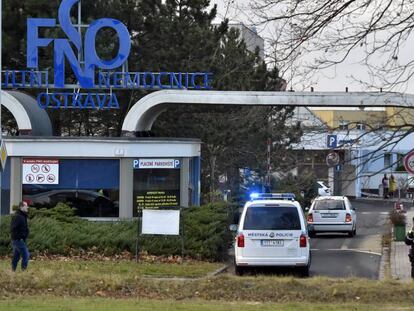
[272, 232]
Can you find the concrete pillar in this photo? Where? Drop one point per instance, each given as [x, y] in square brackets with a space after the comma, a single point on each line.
[184, 181]
[126, 188]
[15, 181]
[331, 181]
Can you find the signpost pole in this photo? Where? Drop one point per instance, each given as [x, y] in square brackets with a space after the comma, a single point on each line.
[139, 226]
[269, 143]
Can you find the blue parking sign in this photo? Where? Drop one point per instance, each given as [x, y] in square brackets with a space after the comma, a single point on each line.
[332, 141]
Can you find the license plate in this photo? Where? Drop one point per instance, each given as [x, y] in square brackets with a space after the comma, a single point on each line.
[272, 242]
[328, 215]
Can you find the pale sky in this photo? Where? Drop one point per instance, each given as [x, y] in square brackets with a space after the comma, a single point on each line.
[332, 79]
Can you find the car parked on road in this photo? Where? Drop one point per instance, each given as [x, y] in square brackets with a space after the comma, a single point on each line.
[332, 214]
[272, 232]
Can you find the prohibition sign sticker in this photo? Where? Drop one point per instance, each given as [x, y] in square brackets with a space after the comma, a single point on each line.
[35, 168]
[409, 162]
[51, 178]
[30, 178]
[40, 178]
[45, 168]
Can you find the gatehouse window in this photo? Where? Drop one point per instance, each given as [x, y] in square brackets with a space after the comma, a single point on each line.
[90, 186]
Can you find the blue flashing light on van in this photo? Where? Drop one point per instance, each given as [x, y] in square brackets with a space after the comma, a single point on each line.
[272, 196]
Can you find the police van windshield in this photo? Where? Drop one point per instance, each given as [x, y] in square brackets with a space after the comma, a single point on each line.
[260, 217]
[335, 205]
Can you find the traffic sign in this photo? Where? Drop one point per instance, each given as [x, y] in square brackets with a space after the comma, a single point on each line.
[332, 141]
[3, 154]
[332, 159]
[409, 162]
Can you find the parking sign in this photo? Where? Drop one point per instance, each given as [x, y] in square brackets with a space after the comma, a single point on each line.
[332, 141]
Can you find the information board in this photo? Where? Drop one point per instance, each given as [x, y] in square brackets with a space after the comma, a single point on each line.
[40, 172]
[157, 199]
[166, 222]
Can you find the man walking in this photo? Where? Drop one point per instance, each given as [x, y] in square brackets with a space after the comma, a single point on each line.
[19, 231]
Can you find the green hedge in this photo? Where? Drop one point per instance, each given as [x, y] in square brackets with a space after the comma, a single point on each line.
[57, 231]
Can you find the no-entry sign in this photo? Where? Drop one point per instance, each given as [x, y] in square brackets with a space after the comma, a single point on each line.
[409, 162]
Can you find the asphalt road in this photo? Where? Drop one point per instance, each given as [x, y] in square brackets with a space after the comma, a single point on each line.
[337, 255]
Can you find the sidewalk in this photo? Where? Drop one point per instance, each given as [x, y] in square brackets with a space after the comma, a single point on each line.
[407, 202]
[400, 265]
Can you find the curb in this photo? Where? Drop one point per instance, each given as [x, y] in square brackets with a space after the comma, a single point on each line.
[376, 199]
[174, 278]
[384, 263]
[218, 271]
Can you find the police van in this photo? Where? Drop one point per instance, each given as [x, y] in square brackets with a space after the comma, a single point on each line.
[272, 232]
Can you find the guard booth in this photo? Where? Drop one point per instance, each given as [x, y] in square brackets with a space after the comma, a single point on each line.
[102, 178]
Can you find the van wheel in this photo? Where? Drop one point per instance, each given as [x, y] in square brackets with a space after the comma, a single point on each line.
[239, 270]
[352, 233]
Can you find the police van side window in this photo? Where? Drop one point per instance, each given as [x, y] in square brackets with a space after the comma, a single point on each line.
[259, 217]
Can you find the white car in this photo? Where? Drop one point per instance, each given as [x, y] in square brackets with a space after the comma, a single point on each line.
[272, 232]
[332, 214]
[323, 189]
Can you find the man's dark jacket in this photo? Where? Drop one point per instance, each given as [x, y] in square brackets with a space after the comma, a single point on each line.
[19, 228]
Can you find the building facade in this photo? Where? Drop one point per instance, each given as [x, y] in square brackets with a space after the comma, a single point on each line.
[101, 177]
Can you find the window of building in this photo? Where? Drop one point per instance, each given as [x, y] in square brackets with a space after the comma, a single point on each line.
[360, 126]
[387, 160]
[343, 125]
[90, 186]
[400, 159]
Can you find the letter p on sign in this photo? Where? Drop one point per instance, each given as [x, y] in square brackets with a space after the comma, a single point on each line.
[332, 141]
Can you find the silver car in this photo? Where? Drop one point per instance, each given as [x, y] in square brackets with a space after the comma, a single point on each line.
[332, 214]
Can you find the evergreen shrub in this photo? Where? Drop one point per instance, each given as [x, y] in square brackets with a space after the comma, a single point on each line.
[57, 231]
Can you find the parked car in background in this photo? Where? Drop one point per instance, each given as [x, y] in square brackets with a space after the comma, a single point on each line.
[331, 214]
[323, 189]
[86, 202]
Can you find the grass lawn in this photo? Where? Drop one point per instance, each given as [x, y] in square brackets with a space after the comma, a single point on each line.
[125, 285]
[103, 304]
[121, 268]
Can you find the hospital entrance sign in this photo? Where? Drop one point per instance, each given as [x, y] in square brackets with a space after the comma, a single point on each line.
[93, 74]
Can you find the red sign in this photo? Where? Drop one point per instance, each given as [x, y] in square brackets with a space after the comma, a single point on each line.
[40, 161]
[409, 162]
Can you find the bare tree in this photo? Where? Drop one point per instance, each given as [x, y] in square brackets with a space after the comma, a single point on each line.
[318, 34]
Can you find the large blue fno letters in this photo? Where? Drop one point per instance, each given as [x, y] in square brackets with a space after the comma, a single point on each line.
[63, 50]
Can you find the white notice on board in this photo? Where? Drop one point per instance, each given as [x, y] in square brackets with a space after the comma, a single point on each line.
[165, 222]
